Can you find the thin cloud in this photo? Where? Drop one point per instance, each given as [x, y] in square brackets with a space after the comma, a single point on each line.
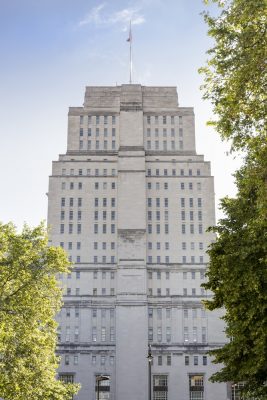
[93, 16]
[121, 17]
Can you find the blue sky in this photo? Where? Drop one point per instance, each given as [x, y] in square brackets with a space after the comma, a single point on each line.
[50, 50]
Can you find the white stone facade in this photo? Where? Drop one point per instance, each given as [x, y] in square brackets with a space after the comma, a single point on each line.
[130, 202]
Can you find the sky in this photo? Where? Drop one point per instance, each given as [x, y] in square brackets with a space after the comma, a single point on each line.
[52, 49]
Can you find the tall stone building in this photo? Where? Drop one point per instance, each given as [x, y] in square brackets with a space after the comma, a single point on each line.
[130, 202]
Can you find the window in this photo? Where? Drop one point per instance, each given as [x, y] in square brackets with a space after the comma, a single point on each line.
[199, 202]
[103, 334]
[184, 259]
[76, 333]
[159, 360]
[183, 245]
[182, 202]
[62, 201]
[148, 119]
[159, 334]
[150, 333]
[70, 228]
[113, 119]
[186, 335]
[192, 228]
[194, 334]
[183, 229]
[94, 334]
[183, 215]
[67, 359]
[191, 202]
[157, 202]
[195, 360]
[61, 228]
[93, 360]
[193, 275]
[186, 360]
[205, 360]
[167, 275]
[112, 334]
[185, 312]
[66, 378]
[164, 119]
[160, 387]
[169, 360]
[196, 387]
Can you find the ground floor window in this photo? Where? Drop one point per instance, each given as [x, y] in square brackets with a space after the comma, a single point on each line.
[236, 392]
[160, 387]
[67, 378]
[196, 387]
[102, 387]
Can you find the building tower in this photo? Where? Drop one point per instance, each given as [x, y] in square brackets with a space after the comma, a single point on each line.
[130, 202]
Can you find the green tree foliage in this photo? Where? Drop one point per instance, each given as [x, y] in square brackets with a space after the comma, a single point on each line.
[235, 74]
[29, 299]
[236, 84]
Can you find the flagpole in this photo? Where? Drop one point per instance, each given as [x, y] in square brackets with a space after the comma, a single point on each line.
[131, 61]
[131, 64]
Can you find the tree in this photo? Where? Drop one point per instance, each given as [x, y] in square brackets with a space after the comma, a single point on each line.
[29, 299]
[236, 84]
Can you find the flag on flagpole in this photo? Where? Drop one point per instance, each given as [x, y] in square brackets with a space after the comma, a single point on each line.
[130, 33]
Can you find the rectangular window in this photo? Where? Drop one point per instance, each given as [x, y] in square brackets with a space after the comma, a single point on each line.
[205, 360]
[103, 334]
[169, 360]
[160, 387]
[159, 334]
[196, 387]
[159, 360]
[113, 132]
[186, 360]
[186, 334]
